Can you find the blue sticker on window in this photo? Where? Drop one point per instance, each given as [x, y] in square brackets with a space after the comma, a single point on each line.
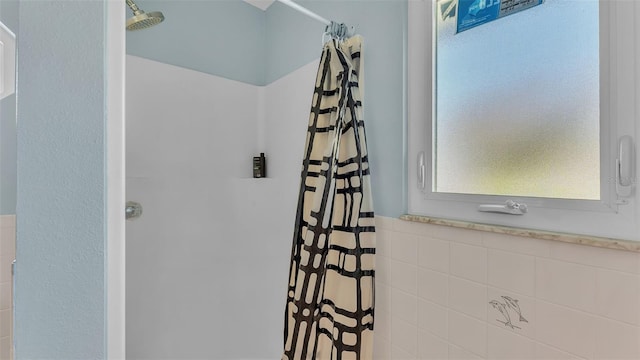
[472, 13]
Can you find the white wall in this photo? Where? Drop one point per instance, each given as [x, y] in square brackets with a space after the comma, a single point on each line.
[207, 263]
[434, 285]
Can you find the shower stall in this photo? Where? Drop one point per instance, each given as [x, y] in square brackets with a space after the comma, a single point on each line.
[212, 86]
[207, 262]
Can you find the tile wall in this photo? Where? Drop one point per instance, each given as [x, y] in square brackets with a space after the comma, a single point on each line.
[450, 293]
[7, 254]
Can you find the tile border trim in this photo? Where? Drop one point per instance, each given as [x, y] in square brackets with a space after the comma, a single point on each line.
[8, 220]
[601, 242]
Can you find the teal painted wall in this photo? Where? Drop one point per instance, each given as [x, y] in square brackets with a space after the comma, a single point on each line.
[60, 275]
[295, 40]
[219, 37]
[8, 156]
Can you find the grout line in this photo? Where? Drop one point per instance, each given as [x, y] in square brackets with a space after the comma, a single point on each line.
[582, 312]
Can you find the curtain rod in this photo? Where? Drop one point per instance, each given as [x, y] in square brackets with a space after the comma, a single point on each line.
[334, 29]
[305, 11]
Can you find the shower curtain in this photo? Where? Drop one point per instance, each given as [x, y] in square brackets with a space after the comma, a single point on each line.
[330, 300]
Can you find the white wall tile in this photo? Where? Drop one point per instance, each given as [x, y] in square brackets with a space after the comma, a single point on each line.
[383, 312]
[522, 245]
[433, 286]
[568, 330]
[523, 323]
[7, 254]
[381, 348]
[383, 269]
[567, 284]
[5, 348]
[404, 247]
[511, 271]
[433, 254]
[382, 326]
[431, 348]
[5, 323]
[404, 277]
[5, 296]
[401, 354]
[433, 318]
[384, 238]
[404, 306]
[7, 241]
[506, 345]
[625, 261]
[413, 227]
[468, 297]
[469, 262]
[404, 336]
[384, 223]
[545, 352]
[458, 353]
[468, 333]
[458, 235]
[618, 296]
[616, 340]
[7, 221]
[5, 268]
[439, 232]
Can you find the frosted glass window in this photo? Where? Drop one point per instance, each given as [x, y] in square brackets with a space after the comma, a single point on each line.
[518, 104]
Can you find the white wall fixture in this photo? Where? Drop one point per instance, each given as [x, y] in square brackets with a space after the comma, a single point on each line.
[7, 61]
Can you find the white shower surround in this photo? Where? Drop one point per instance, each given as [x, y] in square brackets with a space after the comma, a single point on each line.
[208, 261]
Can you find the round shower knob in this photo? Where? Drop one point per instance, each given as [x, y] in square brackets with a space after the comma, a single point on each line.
[133, 210]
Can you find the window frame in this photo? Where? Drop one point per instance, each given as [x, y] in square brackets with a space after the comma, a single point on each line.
[612, 216]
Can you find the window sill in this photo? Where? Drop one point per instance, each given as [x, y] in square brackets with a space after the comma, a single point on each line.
[616, 244]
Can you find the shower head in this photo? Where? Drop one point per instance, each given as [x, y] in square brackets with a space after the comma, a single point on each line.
[142, 20]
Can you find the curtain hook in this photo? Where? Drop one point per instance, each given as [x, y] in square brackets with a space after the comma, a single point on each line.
[337, 31]
[324, 34]
[343, 31]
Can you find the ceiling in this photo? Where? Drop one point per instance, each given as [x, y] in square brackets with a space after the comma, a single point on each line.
[261, 4]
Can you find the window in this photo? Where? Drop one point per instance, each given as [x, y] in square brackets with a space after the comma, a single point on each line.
[530, 108]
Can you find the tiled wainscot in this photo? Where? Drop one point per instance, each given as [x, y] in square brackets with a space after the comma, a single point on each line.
[452, 293]
[7, 254]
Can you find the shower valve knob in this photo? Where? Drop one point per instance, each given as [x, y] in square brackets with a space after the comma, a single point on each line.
[133, 210]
